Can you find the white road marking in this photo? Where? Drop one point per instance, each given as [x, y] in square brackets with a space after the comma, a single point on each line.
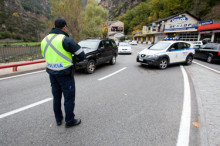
[184, 130]
[24, 108]
[112, 74]
[21, 75]
[207, 67]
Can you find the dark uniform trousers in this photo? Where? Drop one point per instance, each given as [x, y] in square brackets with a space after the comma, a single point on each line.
[66, 85]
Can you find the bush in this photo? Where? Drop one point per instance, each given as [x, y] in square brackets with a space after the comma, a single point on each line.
[4, 35]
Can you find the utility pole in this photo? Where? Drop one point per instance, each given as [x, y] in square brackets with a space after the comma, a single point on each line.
[107, 18]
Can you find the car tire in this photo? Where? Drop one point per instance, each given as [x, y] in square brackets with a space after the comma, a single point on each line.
[209, 59]
[189, 60]
[90, 67]
[113, 60]
[163, 63]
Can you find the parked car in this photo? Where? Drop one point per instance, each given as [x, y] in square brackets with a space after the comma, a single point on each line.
[196, 44]
[164, 53]
[134, 42]
[98, 51]
[209, 52]
[124, 48]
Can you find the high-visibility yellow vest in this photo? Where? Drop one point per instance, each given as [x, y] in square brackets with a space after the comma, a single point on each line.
[56, 56]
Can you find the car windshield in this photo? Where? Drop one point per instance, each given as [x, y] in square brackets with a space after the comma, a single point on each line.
[124, 44]
[160, 46]
[89, 44]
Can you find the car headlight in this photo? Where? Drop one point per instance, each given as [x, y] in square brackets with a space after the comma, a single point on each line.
[153, 56]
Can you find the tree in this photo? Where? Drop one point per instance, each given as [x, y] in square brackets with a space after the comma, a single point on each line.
[70, 10]
[93, 19]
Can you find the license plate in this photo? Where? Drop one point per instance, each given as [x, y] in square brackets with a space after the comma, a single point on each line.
[140, 59]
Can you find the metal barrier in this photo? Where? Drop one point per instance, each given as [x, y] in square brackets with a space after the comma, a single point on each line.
[14, 66]
[19, 53]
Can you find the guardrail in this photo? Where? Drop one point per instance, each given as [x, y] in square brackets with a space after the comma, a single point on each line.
[15, 66]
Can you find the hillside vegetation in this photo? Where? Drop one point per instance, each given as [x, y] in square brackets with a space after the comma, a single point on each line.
[37, 6]
[23, 20]
[27, 20]
[152, 10]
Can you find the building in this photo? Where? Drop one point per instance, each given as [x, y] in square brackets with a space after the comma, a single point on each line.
[182, 27]
[115, 30]
[177, 27]
[209, 30]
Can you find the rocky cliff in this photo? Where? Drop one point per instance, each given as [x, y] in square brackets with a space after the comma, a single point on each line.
[118, 7]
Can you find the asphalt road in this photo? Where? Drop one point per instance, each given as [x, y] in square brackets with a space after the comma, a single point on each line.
[135, 106]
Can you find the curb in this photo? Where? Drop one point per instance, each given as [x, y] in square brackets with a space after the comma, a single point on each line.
[203, 128]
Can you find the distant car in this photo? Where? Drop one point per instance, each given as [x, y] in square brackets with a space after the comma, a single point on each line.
[164, 53]
[127, 41]
[209, 52]
[124, 48]
[134, 42]
[98, 51]
[196, 44]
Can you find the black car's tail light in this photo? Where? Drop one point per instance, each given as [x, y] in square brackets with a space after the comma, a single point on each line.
[218, 53]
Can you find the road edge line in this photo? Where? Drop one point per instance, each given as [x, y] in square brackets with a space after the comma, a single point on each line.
[5, 78]
[24, 108]
[112, 74]
[184, 129]
[206, 67]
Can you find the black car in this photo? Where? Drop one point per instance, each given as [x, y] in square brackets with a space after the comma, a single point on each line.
[209, 52]
[98, 51]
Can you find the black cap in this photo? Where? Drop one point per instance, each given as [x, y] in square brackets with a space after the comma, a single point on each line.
[60, 23]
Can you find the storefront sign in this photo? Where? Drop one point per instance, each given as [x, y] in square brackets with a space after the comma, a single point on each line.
[205, 22]
[179, 19]
[184, 28]
[144, 30]
[180, 24]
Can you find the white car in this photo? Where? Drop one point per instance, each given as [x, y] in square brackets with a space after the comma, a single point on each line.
[164, 53]
[196, 44]
[134, 42]
[124, 48]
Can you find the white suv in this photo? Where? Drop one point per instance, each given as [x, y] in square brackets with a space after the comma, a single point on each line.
[164, 53]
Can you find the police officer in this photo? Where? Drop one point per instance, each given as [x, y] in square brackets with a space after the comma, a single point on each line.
[57, 49]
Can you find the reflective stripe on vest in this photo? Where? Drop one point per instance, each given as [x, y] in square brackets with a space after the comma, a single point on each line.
[59, 58]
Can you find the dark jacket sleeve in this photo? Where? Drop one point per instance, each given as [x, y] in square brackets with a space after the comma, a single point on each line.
[71, 46]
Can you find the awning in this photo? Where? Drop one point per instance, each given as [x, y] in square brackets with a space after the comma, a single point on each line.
[209, 27]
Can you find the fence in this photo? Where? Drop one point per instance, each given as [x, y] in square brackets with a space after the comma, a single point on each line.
[19, 53]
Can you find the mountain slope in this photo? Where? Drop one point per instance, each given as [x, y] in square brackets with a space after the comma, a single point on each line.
[137, 13]
[23, 20]
[118, 7]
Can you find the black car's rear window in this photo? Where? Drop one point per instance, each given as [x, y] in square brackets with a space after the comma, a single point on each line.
[92, 44]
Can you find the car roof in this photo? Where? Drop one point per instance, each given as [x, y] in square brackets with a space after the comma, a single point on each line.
[176, 41]
[100, 39]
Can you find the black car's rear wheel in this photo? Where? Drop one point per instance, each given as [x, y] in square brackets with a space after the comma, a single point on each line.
[113, 60]
[163, 63]
[209, 59]
[90, 67]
